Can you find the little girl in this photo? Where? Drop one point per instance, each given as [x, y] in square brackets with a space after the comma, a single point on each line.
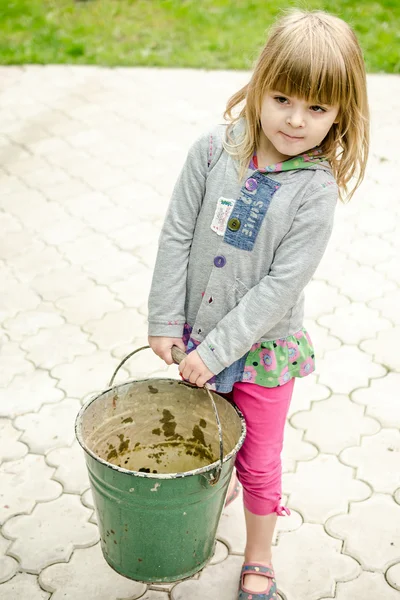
[247, 226]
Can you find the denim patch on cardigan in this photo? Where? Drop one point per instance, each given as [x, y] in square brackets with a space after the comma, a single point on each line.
[249, 211]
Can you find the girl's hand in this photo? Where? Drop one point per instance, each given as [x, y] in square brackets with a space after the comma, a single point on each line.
[162, 346]
[193, 369]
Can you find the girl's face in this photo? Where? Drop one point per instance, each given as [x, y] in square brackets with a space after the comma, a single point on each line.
[292, 125]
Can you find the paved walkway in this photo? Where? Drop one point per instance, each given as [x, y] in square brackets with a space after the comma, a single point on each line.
[88, 160]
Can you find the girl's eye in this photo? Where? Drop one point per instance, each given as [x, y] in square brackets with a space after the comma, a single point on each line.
[317, 108]
[280, 99]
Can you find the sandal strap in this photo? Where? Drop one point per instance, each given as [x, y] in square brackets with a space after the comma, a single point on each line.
[257, 569]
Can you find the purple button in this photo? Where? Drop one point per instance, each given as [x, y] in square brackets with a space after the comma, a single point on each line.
[251, 184]
[220, 261]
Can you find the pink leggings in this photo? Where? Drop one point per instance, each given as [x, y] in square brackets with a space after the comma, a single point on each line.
[258, 462]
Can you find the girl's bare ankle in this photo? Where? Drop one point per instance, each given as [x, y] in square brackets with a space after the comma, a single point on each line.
[258, 557]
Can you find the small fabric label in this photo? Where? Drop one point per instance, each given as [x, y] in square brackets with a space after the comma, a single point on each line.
[222, 213]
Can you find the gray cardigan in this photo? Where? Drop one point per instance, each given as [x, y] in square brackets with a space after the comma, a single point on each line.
[233, 259]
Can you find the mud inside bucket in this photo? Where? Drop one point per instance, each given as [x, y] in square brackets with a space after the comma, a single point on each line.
[152, 450]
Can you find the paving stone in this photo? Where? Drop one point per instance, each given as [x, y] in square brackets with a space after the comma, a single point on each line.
[10, 447]
[381, 399]
[51, 427]
[322, 299]
[86, 374]
[368, 586]
[146, 363]
[36, 177]
[23, 586]
[382, 348]
[37, 258]
[305, 391]
[47, 147]
[119, 327]
[8, 565]
[334, 262]
[147, 254]
[50, 533]
[17, 298]
[298, 550]
[11, 184]
[71, 469]
[155, 595]
[87, 575]
[15, 244]
[322, 339]
[58, 284]
[100, 176]
[116, 265]
[364, 285]
[28, 392]
[389, 306]
[391, 269]
[108, 219]
[368, 531]
[376, 221]
[91, 303]
[134, 291]
[28, 323]
[43, 216]
[22, 202]
[7, 278]
[13, 362]
[295, 448]
[87, 500]
[23, 483]
[348, 368]
[393, 577]
[8, 224]
[217, 581]
[220, 554]
[322, 488]
[370, 250]
[131, 196]
[164, 587]
[70, 189]
[334, 424]
[66, 342]
[134, 235]
[377, 460]
[232, 527]
[354, 323]
[86, 248]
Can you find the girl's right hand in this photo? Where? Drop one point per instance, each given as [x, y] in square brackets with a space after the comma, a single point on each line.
[162, 346]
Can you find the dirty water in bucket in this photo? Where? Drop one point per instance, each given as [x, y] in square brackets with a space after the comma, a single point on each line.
[173, 454]
[155, 429]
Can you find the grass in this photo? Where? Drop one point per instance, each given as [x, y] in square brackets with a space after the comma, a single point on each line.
[210, 34]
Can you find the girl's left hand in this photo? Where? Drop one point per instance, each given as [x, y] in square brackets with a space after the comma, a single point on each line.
[193, 369]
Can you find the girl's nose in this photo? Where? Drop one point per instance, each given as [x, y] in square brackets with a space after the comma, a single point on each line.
[296, 119]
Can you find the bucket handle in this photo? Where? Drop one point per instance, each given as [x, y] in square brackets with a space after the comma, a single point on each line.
[178, 355]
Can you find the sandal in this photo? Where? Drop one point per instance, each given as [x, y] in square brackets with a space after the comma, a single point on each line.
[234, 493]
[258, 569]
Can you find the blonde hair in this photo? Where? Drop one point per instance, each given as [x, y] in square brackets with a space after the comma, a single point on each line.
[314, 56]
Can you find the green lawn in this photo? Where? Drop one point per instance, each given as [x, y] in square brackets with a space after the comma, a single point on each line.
[212, 34]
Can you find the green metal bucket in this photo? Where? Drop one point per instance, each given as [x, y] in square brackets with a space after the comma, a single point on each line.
[159, 457]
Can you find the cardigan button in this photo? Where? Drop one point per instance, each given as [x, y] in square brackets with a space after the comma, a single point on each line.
[251, 184]
[220, 261]
[234, 224]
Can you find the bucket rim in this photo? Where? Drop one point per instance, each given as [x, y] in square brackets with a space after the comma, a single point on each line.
[179, 475]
